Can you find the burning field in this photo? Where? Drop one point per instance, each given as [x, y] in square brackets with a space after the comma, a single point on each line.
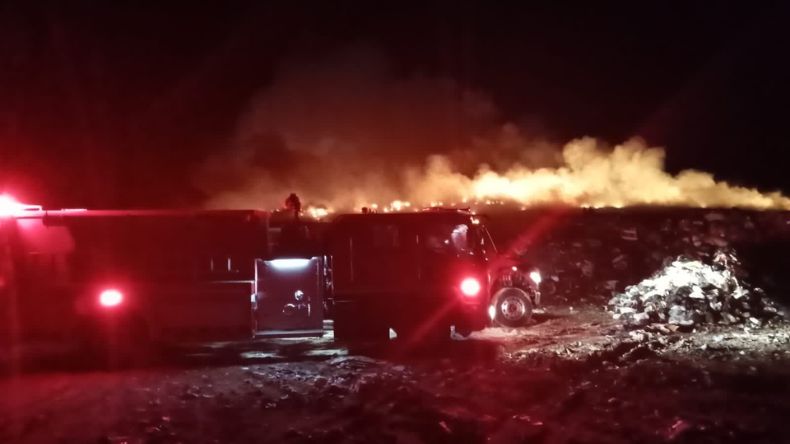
[586, 174]
[664, 292]
[345, 132]
[349, 129]
[608, 359]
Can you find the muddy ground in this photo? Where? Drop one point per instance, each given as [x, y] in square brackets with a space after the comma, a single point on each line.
[573, 376]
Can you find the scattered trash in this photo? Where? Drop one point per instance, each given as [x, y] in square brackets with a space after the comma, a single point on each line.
[629, 234]
[620, 262]
[677, 428]
[596, 255]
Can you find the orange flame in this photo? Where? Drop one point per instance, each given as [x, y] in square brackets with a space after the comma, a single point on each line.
[588, 175]
[631, 174]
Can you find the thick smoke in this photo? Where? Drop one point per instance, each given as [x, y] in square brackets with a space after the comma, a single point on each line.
[591, 175]
[346, 132]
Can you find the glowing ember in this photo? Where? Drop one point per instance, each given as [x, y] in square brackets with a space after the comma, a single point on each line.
[398, 205]
[318, 212]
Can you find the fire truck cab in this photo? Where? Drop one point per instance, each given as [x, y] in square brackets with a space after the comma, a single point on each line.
[421, 273]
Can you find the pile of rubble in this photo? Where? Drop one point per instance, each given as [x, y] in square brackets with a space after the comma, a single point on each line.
[587, 256]
[687, 293]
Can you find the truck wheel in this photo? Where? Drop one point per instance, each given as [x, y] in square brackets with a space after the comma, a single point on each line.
[512, 308]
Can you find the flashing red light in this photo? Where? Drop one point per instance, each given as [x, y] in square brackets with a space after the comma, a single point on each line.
[11, 207]
[8, 205]
[470, 287]
[110, 298]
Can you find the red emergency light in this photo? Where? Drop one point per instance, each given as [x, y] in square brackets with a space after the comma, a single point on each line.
[10, 207]
[470, 287]
[110, 298]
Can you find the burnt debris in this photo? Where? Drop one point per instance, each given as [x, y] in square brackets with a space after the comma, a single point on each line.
[589, 256]
[691, 292]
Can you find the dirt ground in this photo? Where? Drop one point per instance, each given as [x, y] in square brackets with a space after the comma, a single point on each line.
[573, 376]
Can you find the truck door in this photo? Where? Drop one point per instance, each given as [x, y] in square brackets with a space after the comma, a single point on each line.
[289, 296]
[375, 258]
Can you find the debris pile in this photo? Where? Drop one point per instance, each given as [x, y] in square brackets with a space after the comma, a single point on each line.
[687, 293]
[588, 256]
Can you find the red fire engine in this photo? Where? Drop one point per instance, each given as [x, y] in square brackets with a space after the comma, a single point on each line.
[115, 278]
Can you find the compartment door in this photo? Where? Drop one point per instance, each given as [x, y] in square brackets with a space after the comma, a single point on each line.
[289, 295]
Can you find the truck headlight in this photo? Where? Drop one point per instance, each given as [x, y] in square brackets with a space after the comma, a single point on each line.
[535, 276]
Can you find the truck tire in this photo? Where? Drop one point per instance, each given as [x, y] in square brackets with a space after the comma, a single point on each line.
[512, 308]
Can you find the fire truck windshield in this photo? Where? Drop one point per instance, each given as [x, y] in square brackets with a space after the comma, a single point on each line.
[446, 239]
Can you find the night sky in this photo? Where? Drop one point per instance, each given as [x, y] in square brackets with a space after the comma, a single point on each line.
[115, 104]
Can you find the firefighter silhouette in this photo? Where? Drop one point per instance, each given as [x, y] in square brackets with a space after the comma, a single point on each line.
[294, 235]
[294, 204]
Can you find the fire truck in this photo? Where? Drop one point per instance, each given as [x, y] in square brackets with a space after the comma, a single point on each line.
[113, 278]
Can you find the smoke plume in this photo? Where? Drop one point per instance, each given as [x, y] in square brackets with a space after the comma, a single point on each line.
[345, 132]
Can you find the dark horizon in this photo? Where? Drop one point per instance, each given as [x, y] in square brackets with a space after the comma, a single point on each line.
[118, 105]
